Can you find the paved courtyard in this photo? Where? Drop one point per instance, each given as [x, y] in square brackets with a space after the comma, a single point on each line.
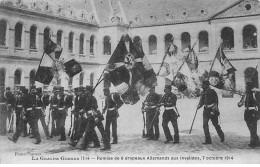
[135, 149]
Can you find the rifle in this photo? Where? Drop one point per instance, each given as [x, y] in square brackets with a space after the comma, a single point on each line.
[144, 134]
[71, 123]
[193, 120]
[49, 117]
[11, 121]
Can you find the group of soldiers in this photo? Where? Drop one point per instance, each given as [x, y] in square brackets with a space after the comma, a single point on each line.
[30, 107]
[209, 99]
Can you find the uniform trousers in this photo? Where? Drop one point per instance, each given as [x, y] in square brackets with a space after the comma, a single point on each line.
[152, 123]
[111, 119]
[42, 119]
[3, 119]
[170, 116]
[62, 114]
[250, 117]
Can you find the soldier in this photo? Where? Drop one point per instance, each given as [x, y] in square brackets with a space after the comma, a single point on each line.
[40, 109]
[209, 99]
[54, 111]
[10, 98]
[3, 112]
[32, 115]
[250, 115]
[112, 103]
[89, 110]
[169, 102]
[19, 106]
[152, 114]
[62, 114]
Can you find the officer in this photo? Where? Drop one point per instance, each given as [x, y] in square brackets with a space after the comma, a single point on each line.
[62, 114]
[3, 112]
[32, 116]
[169, 102]
[209, 99]
[54, 111]
[152, 114]
[40, 109]
[250, 114]
[112, 103]
[89, 110]
[19, 106]
[10, 98]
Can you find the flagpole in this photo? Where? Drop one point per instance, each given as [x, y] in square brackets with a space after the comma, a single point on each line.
[40, 63]
[167, 51]
[214, 60]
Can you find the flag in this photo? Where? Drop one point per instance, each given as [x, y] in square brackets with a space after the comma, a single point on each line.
[222, 72]
[52, 49]
[72, 67]
[44, 72]
[192, 60]
[129, 71]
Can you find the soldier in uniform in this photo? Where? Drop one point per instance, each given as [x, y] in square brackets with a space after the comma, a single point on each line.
[19, 106]
[209, 99]
[169, 102]
[112, 103]
[3, 112]
[32, 116]
[54, 111]
[152, 114]
[62, 114]
[250, 114]
[88, 112]
[10, 98]
[40, 109]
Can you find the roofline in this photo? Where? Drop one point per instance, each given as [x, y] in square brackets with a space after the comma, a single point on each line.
[227, 8]
[230, 17]
[45, 15]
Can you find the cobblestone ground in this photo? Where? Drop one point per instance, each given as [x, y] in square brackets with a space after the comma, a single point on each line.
[132, 148]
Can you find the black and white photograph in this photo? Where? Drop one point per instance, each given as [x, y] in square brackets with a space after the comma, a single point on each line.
[129, 81]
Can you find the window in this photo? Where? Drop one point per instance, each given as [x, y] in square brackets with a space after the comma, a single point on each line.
[92, 44]
[81, 44]
[17, 77]
[59, 37]
[138, 43]
[46, 37]
[59, 81]
[249, 37]
[81, 78]
[227, 35]
[3, 32]
[70, 81]
[2, 77]
[71, 38]
[18, 35]
[32, 77]
[185, 40]
[152, 45]
[107, 45]
[33, 31]
[92, 79]
[203, 41]
[167, 40]
[251, 74]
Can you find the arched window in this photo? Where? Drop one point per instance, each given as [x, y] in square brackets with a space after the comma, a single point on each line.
[70, 81]
[107, 45]
[92, 44]
[3, 32]
[249, 37]
[136, 40]
[59, 37]
[33, 33]
[59, 81]
[81, 79]
[17, 77]
[167, 40]
[18, 35]
[46, 36]
[71, 42]
[185, 40]
[2, 77]
[152, 45]
[227, 35]
[92, 79]
[251, 74]
[203, 41]
[32, 78]
[81, 44]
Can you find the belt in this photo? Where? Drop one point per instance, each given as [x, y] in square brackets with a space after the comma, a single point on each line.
[54, 105]
[28, 109]
[37, 107]
[168, 108]
[19, 106]
[2, 103]
[61, 108]
[9, 104]
[110, 109]
[90, 112]
[250, 108]
[151, 107]
[209, 106]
